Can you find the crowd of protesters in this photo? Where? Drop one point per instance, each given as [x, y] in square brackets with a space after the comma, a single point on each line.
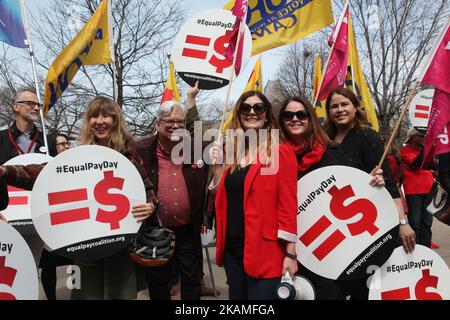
[255, 231]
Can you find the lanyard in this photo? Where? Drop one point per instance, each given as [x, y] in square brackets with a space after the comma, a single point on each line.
[33, 141]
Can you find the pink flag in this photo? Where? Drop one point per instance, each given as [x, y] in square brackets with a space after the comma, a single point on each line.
[437, 73]
[240, 11]
[334, 75]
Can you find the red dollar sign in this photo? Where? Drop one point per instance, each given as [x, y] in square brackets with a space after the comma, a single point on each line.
[342, 212]
[425, 282]
[7, 276]
[121, 202]
[220, 46]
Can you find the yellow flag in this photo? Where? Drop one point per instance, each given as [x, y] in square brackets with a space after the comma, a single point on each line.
[275, 23]
[254, 84]
[92, 45]
[171, 90]
[320, 105]
[357, 78]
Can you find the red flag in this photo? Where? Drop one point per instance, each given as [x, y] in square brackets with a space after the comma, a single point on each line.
[437, 73]
[240, 11]
[334, 75]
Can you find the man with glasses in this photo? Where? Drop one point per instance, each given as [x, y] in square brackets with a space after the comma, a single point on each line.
[181, 193]
[22, 136]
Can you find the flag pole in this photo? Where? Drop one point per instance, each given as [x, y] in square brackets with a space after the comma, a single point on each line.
[227, 97]
[397, 125]
[33, 64]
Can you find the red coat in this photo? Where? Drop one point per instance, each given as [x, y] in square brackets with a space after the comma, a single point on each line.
[415, 181]
[270, 214]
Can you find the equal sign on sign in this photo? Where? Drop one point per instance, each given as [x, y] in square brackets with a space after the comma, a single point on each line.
[66, 197]
[329, 244]
[17, 200]
[195, 53]
[422, 112]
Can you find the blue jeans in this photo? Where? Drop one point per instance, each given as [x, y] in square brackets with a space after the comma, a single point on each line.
[243, 287]
[419, 219]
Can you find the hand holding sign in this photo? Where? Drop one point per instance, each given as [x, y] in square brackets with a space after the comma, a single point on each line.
[90, 213]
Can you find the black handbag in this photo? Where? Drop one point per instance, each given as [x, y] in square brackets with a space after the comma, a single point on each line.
[153, 245]
[437, 203]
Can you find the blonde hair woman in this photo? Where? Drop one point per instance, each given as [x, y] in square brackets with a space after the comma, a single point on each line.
[103, 124]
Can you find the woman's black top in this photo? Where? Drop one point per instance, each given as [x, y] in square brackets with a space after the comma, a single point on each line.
[364, 149]
[234, 186]
[3, 194]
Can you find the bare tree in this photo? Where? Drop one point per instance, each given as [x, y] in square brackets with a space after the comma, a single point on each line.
[296, 72]
[143, 32]
[393, 38]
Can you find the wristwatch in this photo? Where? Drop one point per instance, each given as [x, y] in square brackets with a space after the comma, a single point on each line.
[293, 256]
[403, 221]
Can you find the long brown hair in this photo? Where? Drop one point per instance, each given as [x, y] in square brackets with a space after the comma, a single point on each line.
[120, 138]
[360, 120]
[314, 133]
[270, 124]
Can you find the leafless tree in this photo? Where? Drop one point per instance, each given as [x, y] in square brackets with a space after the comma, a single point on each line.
[393, 38]
[296, 72]
[143, 33]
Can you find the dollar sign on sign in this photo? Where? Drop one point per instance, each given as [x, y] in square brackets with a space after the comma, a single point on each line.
[342, 212]
[121, 202]
[427, 281]
[220, 46]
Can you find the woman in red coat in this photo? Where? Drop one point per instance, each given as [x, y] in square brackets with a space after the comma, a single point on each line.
[256, 202]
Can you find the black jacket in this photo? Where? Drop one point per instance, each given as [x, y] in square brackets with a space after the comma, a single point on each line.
[334, 156]
[9, 151]
[195, 177]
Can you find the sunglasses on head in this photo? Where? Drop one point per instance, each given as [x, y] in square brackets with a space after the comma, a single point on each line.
[289, 115]
[259, 108]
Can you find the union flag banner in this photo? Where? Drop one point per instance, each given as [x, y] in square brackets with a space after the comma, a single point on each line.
[91, 46]
[275, 23]
[320, 105]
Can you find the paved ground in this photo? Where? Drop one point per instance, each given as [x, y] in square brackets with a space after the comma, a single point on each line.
[441, 236]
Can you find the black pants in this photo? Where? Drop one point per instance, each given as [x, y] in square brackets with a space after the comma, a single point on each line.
[188, 259]
[419, 219]
[243, 287]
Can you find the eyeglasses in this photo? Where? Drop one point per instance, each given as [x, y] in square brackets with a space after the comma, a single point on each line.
[287, 116]
[171, 123]
[31, 103]
[258, 108]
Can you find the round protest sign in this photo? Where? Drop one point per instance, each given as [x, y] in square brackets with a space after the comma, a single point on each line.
[18, 212]
[420, 275]
[18, 273]
[199, 48]
[81, 202]
[344, 224]
[419, 109]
